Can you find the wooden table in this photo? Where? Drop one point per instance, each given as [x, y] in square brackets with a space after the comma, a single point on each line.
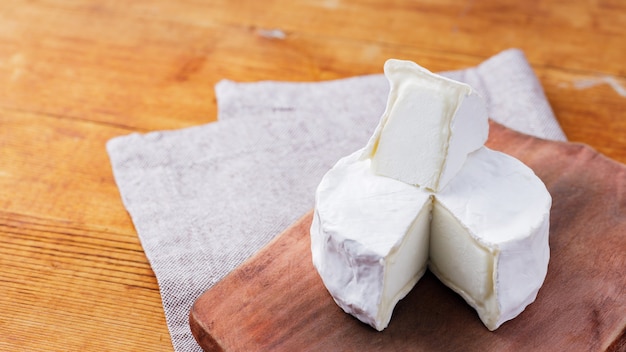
[73, 276]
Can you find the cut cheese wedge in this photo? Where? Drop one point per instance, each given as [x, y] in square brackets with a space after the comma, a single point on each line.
[489, 235]
[369, 239]
[430, 125]
[479, 219]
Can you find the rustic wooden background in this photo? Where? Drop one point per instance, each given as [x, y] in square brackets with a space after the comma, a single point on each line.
[75, 73]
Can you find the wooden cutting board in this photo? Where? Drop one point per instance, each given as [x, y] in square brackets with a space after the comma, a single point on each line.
[276, 301]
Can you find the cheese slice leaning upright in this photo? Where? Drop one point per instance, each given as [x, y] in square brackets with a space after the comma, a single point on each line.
[429, 126]
[425, 192]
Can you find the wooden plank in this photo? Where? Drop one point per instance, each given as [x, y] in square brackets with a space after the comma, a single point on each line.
[158, 71]
[276, 301]
[73, 273]
[562, 29]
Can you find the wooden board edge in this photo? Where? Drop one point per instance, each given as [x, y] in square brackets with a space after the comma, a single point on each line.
[200, 331]
[619, 344]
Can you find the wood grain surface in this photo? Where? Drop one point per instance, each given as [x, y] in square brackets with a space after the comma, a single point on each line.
[276, 301]
[73, 74]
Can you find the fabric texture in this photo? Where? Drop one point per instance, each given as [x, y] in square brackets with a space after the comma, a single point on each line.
[204, 199]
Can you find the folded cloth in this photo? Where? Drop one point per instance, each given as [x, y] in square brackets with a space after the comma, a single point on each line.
[203, 199]
[507, 82]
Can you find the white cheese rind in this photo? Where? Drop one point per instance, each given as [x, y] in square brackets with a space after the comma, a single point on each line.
[489, 235]
[369, 239]
[429, 126]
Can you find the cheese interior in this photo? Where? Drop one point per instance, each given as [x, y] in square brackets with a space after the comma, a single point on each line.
[405, 265]
[464, 264]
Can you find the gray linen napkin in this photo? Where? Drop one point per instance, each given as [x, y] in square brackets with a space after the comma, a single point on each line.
[507, 82]
[203, 199]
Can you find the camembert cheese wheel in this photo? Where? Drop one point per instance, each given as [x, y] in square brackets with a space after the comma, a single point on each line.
[426, 193]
